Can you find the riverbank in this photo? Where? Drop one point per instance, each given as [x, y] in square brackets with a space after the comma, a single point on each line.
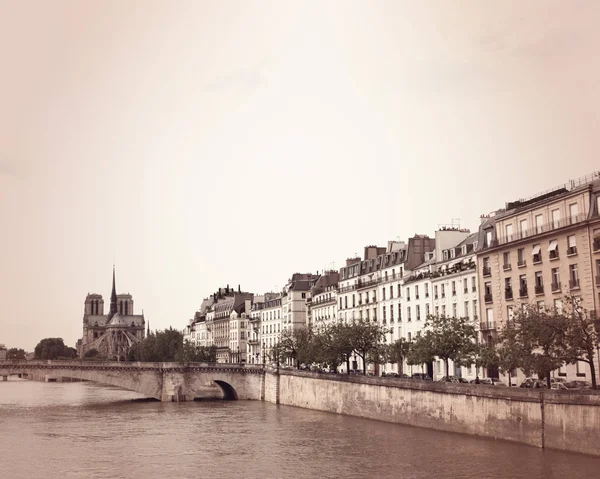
[561, 420]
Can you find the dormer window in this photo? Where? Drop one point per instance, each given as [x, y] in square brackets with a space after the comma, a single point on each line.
[445, 255]
[463, 249]
[452, 253]
[475, 245]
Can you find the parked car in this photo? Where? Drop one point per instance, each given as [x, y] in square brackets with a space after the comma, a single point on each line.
[389, 375]
[488, 382]
[453, 379]
[533, 383]
[557, 380]
[578, 385]
[403, 376]
[558, 386]
[421, 376]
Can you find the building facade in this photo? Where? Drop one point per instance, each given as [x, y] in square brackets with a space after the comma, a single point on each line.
[536, 252]
[111, 335]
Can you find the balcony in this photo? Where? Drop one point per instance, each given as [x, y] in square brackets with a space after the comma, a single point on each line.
[253, 342]
[508, 293]
[486, 326]
[537, 258]
[521, 263]
[571, 250]
[487, 271]
[506, 267]
[555, 225]
[574, 283]
[367, 284]
[488, 298]
[555, 287]
[539, 289]
[553, 254]
[523, 292]
[345, 289]
[331, 300]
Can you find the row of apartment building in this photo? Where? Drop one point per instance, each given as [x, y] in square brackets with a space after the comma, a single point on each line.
[532, 251]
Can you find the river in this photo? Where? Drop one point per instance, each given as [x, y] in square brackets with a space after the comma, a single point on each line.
[84, 430]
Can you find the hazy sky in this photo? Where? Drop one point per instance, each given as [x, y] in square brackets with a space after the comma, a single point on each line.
[200, 143]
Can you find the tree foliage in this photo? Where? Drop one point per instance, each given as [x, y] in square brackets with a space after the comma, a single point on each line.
[298, 345]
[199, 354]
[54, 348]
[14, 353]
[365, 338]
[160, 346]
[447, 338]
[396, 353]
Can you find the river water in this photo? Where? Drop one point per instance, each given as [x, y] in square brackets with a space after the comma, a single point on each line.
[83, 430]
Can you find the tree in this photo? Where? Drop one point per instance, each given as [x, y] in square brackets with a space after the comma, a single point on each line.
[160, 346]
[397, 353]
[297, 345]
[14, 353]
[446, 337]
[91, 353]
[328, 347]
[582, 336]
[365, 338]
[199, 354]
[535, 340]
[54, 348]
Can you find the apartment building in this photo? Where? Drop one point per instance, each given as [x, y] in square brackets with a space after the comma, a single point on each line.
[271, 325]
[390, 290]
[536, 251]
[321, 307]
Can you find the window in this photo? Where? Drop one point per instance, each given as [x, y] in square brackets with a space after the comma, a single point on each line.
[573, 211]
[506, 260]
[346, 302]
[523, 227]
[521, 257]
[408, 315]
[489, 316]
[558, 305]
[474, 284]
[539, 283]
[353, 301]
[443, 310]
[399, 312]
[408, 294]
[453, 288]
[383, 294]
[443, 286]
[553, 249]
[475, 308]
[427, 310]
[572, 247]
[540, 306]
[510, 312]
[555, 279]
[416, 292]
[427, 290]
[466, 309]
[537, 253]
[488, 238]
[303, 295]
[399, 292]
[509, 232]
[391, 313]
[384, 314]
[488, 292]
[391, 292]
[573, 276]
[437, 310]
[454, 311]
[341, 304]
[523, 285]
[466, 285]
[555, 218]
[445, 255]
[435, 291]
[539, 223]
[418, 312]
[409, 337]
[580, 370]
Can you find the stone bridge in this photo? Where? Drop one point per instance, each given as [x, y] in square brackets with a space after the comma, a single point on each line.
[164, 381]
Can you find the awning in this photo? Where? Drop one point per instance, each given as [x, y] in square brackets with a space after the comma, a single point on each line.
[553, 245]
[536, 249]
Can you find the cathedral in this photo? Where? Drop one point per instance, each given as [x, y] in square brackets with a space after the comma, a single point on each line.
[113, 334]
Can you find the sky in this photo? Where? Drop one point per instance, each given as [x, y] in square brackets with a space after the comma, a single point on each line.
[196, 144]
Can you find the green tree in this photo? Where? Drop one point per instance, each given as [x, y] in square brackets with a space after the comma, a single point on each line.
[199, 354]
[365, 338]
[329, 350]
[54, 348]
[446, 337]
[396, 353]
[14, 353]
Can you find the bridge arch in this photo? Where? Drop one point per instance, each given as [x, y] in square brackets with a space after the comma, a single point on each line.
[229, 393]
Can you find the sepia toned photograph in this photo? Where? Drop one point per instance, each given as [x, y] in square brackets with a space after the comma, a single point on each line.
[283, 239]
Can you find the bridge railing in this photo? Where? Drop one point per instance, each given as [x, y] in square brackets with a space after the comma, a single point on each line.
[65, 363]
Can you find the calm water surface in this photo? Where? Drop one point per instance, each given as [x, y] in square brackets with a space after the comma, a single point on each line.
[82, 430]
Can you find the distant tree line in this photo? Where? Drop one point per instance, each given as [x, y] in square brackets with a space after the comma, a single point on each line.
[168, 346]
[54, 348]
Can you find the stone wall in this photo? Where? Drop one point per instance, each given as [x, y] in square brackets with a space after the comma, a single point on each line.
[558, 420]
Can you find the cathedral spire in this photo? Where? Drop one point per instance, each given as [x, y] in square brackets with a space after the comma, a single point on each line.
[113, 297]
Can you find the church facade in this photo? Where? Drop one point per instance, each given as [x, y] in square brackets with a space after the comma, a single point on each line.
[112, 334]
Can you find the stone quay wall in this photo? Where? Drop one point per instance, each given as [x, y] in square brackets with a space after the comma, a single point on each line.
[565, 420]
